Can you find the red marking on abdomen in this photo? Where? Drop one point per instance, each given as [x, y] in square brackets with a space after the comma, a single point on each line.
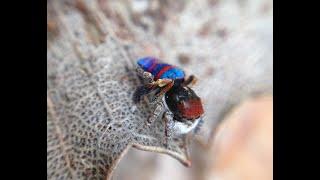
[163, 70]
[191, 109]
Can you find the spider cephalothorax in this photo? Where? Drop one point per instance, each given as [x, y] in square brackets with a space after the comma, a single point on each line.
[175, 101]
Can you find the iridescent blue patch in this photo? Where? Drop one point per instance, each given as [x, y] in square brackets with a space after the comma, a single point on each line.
[174, 73]
[146, 62]
[152, 65]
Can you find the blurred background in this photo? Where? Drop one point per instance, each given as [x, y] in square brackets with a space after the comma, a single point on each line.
[193, 34]
[242, 149]
[228, 45]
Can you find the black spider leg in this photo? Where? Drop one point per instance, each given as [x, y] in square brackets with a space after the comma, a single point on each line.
[161, 91]
[141, 91]
[189, 80]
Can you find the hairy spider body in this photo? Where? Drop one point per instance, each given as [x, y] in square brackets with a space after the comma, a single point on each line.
[176, 103]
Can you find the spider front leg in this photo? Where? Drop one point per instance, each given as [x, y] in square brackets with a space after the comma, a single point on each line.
[147, 88]
[169, 126]
[191, 80]
[166, 85]
[142, 91]
[150, 85]
[147, 76]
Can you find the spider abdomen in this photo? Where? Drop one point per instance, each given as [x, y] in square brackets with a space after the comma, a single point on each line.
[184, 103]
[160, 70]
[191, 108]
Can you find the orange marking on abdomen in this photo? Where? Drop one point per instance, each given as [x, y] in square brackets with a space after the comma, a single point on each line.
[191, 109]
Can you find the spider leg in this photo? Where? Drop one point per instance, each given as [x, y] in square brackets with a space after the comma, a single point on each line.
[159, 109]
[147, 88]
[191, 80]
[166, 84]
[169, 125]
[139, 71]
[147, 76]
[150, 85]
[141, 91]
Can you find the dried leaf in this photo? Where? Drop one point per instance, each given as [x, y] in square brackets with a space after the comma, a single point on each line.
[92, 120]
[99, 122]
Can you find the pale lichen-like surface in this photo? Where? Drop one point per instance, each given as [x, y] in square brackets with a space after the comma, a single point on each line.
[92, 47]
[91, 117]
